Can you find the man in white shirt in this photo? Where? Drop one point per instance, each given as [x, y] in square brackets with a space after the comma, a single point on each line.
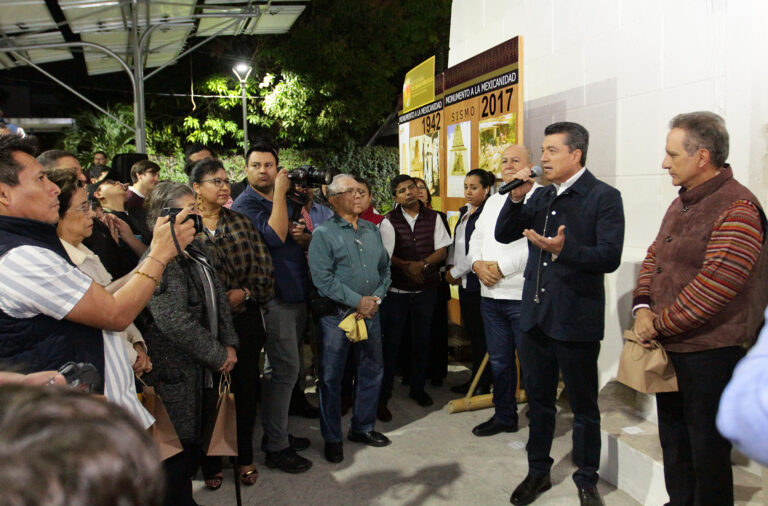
[417, 242]
[500, 270]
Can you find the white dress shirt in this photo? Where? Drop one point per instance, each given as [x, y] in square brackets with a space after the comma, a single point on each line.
[457, 256]
[511, 257]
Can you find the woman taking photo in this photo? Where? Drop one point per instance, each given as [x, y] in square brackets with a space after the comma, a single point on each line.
[75, 225]
[241, 259]
[477, 188]
[191, 341]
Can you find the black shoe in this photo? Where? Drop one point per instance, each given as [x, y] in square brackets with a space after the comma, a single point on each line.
[304, 409]
[422, 398]
[530, 488]
[297, 444]
[493, 427]
[589, 496]
[372, 438]
[334, 452]
[288, 461]
[383, 413]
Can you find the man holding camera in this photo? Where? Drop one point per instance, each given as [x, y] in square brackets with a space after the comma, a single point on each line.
[265, 202]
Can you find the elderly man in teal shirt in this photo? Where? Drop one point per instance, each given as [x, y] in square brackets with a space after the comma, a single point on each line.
[350, 266]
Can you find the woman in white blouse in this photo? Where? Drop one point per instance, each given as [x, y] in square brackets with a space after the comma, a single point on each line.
[75, 225]
[477, 188]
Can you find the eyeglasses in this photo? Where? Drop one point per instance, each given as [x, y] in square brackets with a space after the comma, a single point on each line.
[218, 182]
[84, 209]
[357, 190]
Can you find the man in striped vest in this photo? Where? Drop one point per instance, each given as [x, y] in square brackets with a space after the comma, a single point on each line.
[700, 293]
[417, 242]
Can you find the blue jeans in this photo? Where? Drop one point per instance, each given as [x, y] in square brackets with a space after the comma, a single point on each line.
[334, 348]
[501, 319]
[395, 312]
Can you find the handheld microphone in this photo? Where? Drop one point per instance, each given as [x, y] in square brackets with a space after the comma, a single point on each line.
[508, 187]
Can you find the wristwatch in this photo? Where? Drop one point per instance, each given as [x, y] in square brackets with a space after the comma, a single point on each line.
[426, 265]
[247, 295]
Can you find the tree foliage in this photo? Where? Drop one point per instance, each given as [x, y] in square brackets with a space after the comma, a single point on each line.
[93, 131]
[333, 78]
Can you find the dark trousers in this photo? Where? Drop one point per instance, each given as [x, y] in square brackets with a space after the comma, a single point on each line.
[697, 459]
[438, 338]
[178, 475]
[502, 333]
[249, 327]
[395, 312]
[541, 357]
[472, 318]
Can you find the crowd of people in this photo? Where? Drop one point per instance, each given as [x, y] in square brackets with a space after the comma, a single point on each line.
[178, 284]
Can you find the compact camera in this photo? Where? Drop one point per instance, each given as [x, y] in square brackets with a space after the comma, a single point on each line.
[171, 212]
[82, 376]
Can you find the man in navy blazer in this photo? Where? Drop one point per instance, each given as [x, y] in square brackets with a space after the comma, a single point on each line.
[575, 229]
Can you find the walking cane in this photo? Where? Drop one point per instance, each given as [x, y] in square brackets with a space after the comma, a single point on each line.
[236, 470]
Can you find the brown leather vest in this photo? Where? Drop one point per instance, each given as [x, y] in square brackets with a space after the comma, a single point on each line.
[680, 250]
[416, 244]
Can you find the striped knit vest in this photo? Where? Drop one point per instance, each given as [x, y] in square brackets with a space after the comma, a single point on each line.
[680, 250]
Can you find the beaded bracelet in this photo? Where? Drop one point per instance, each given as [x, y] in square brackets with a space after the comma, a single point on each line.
[157, 283]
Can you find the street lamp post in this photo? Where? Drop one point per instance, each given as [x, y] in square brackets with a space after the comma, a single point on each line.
[242, 71]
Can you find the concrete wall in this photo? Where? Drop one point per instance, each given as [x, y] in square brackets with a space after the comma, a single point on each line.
[623, 68]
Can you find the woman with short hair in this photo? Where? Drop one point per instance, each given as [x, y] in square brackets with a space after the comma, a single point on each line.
[191, 340]
[74, 226]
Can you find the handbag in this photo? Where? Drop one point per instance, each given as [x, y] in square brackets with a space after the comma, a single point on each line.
[162, 431]
[647, 370]
[223, 436]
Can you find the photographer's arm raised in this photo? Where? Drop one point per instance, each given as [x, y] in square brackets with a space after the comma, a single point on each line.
[100, 309]
[278, 220]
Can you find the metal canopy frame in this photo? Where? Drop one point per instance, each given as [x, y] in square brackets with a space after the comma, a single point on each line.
[139, 44]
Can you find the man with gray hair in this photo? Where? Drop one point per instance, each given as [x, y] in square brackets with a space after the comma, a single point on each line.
[701, 292]
[350, 267]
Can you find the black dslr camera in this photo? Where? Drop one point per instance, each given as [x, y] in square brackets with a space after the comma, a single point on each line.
[308, 176]
[171, 212]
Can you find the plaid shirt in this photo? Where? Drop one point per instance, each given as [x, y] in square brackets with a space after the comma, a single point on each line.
[240, 256]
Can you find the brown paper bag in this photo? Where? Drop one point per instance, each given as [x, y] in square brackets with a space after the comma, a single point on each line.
[223, 439]
[647, 370]
[162, 431]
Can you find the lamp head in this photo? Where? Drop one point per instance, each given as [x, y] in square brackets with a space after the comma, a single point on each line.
[242, 71]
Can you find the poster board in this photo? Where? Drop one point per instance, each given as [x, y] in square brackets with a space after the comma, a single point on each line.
[422, 147]
[477, 112]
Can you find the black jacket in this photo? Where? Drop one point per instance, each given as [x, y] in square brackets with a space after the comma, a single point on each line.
[565, 298]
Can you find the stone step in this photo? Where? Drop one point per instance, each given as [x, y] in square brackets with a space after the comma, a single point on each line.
[631, 455]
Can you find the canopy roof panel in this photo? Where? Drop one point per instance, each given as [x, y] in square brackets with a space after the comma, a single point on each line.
[109, 23]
